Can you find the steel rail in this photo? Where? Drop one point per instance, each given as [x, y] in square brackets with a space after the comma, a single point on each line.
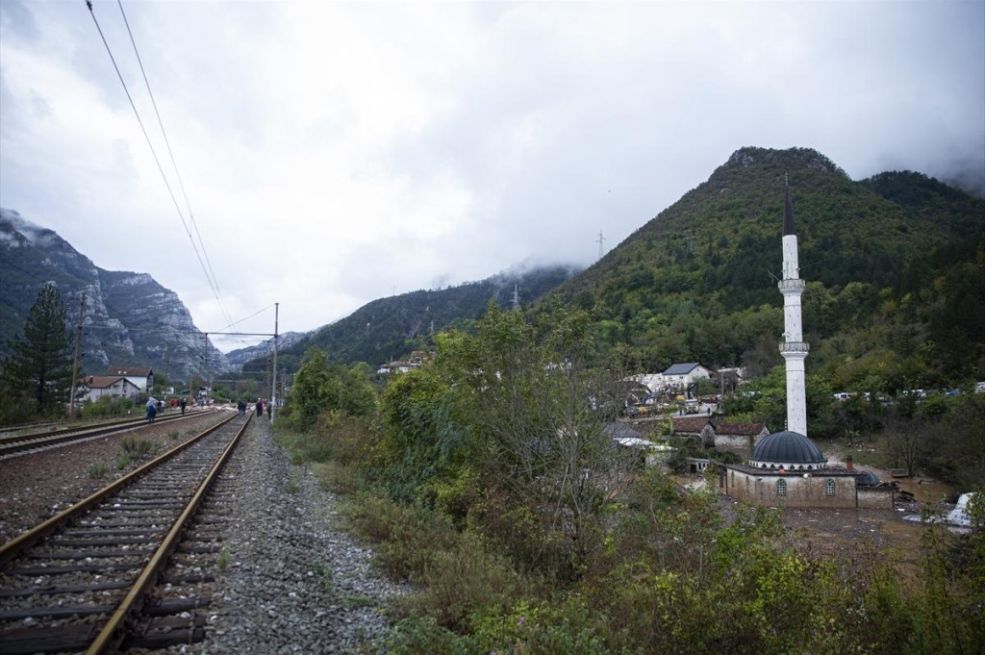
[27, 539]
[14, 445]
[58, 430]
[113, 633]
[73, 429]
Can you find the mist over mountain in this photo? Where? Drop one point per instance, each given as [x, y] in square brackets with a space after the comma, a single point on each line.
[894, 264]
[129, 318]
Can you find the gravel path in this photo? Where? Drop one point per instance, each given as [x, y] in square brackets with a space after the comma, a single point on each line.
[295, 582]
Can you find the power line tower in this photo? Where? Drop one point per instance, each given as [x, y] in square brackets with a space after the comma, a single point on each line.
[516, 297]
[601, 244]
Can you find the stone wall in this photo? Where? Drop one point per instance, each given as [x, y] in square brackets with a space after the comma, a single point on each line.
[876, 497]
[835, 491]
[740, 445]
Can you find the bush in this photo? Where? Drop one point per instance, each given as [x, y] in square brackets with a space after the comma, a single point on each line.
[409, 537]
[465, 580]
[107, 407]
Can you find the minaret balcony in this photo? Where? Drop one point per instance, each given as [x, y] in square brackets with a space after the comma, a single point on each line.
[791, 285]
[794, 347]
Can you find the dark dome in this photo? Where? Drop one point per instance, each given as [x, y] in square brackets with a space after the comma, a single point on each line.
[787, 448]
[867, 479]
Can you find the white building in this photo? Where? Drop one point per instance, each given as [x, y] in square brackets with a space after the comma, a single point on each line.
[682, 376]
[111, 386]
[142, 376]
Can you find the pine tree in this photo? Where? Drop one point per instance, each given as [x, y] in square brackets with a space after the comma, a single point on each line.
[39, 365]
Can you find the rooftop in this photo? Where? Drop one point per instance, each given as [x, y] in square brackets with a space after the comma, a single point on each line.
[681, 369]
[787, 448]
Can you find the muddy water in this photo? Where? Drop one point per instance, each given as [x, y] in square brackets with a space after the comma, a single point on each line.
[926, 490]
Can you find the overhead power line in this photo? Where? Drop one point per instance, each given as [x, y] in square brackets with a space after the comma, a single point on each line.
[256, 313]
[157, 160]
[174, 163]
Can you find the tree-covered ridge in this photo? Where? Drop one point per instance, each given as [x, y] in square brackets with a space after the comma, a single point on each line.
[890, 263]
[388, 328]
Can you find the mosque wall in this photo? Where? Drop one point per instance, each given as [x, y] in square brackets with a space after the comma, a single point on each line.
[774, 490]
[875, 498]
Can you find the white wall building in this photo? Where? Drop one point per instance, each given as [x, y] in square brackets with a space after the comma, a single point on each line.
[112, 386]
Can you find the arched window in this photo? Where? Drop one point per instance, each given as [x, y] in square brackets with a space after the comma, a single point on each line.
[781, 487]
[829, 487]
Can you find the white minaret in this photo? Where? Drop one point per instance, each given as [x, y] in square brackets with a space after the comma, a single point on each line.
[793, 348]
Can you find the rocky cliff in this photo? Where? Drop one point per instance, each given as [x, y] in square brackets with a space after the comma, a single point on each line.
[129, 317]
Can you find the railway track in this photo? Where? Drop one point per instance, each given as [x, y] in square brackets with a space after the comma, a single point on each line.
[84, 580]
[6, 429]
[13, 444]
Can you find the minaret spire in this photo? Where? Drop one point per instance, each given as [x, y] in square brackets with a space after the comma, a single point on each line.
[787, 208]
[793, 348]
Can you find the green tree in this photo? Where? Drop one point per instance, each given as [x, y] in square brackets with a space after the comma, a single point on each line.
[39, 366]
[320, 387]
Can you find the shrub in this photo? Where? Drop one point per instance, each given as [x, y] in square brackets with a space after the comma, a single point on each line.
[409, 536]
[97, 470]
[467, 579]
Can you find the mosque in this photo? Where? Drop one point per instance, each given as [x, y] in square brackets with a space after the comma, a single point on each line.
[786, 469]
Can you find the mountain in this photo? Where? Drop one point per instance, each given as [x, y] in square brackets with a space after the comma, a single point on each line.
[387, 328]
[895, 266]
[129, 318]
[237, 358]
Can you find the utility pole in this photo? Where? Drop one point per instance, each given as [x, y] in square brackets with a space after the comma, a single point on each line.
[75, 360]
[208, 372]
[273, 387]
[167, 364]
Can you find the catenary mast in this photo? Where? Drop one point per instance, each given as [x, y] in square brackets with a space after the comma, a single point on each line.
[793, 348]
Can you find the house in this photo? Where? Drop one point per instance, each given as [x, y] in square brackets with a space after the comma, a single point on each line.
[417, 359]
[739, 438]
[654, 382]
[646, 452]
[111, 386]
[695, 426]
[681, 376]
[142, 376]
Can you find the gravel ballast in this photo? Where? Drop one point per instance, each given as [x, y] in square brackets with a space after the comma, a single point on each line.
[295, 582]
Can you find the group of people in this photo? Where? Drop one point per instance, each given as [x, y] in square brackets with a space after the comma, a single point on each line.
[155, 406]
[260, 406]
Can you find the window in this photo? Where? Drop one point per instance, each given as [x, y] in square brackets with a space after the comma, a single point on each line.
[781, 487]
[829, 487]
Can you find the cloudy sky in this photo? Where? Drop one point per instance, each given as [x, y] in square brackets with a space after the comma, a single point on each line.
[335, 153]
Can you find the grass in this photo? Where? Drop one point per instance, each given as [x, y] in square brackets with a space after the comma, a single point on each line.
[133, 449]
[173, 435]
[223, 560]
[97, 471]
[353, 601]
[294, 483]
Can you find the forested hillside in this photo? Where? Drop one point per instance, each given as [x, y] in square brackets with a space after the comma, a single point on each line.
[388, 328]
[895, 267]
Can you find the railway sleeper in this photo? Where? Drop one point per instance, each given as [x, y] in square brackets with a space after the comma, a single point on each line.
[109, 541]
[52, 590]
[35, 571]
[53, 639]
[122, 532]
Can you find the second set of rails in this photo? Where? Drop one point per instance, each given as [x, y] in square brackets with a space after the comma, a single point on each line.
[79, 582]
[18, 441]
